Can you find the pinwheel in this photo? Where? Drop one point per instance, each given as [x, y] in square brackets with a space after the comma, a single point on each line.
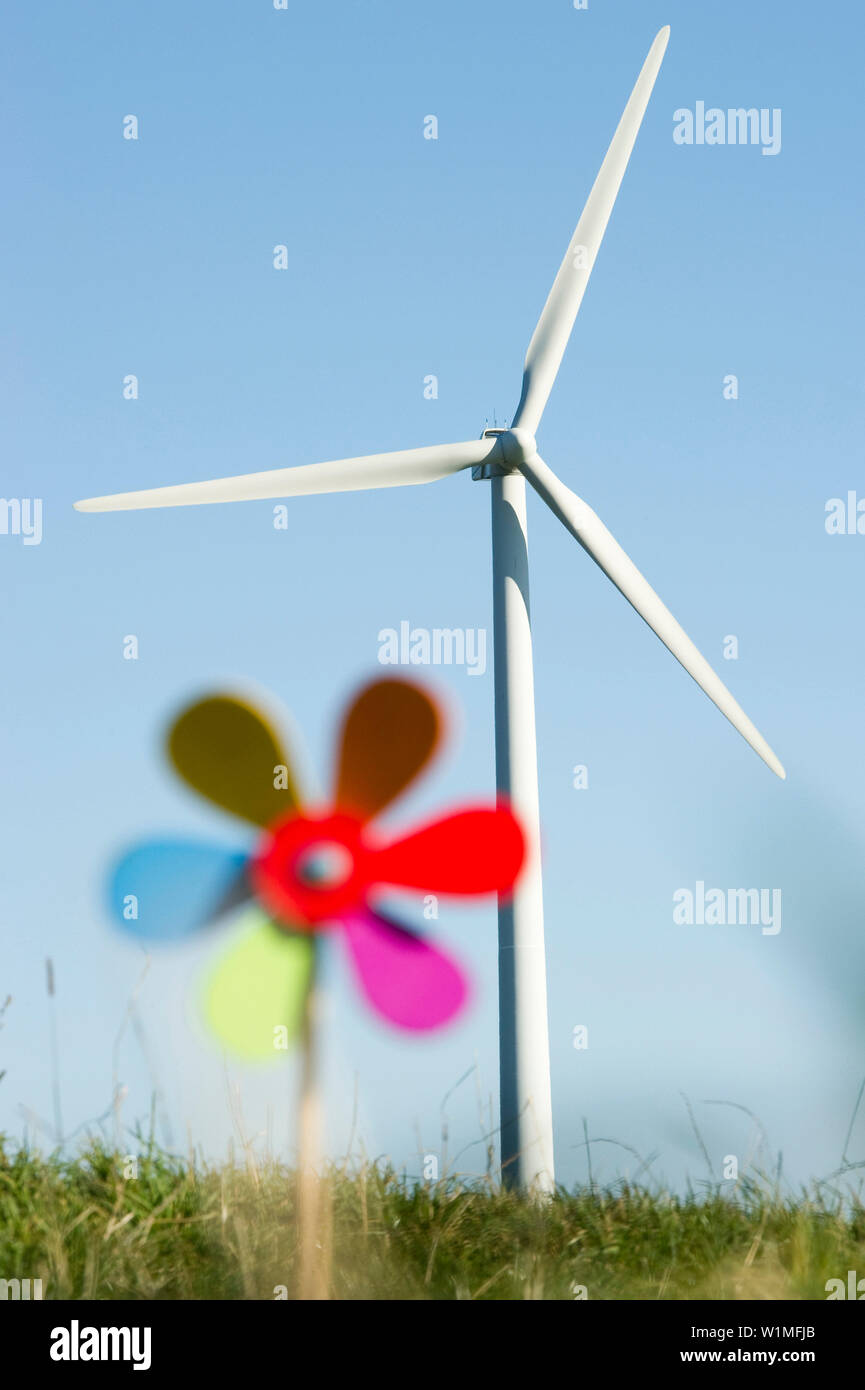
[314, 869]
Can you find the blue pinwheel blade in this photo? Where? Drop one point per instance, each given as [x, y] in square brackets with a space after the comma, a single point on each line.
[163, 890]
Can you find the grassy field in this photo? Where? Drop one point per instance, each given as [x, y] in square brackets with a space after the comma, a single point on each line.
[176, 1231]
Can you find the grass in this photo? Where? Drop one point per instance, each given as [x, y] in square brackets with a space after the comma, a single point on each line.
[179, 1231]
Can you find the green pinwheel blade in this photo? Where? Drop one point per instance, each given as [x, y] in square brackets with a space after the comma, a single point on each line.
[255, 995]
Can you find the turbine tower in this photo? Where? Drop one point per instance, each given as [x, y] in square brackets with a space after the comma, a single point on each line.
[509, 458]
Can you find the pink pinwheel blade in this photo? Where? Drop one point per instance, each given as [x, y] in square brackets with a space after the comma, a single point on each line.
[406, 980]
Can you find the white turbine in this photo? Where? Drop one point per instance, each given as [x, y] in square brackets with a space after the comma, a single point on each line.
[509, 458]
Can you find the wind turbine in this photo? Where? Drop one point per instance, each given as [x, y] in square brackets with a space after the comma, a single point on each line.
[509, 458]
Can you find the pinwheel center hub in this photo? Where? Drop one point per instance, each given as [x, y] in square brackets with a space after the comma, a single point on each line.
[310, 870]
[325, 864]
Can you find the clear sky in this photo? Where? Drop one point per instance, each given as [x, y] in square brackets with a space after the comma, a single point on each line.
[408, 257]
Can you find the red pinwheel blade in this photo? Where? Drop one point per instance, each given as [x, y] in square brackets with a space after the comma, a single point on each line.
[406, 980]
[390, 732]
[477, 850]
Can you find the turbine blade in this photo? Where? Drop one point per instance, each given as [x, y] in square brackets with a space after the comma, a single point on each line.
[606, 552]
[399, 469]
[550, 338]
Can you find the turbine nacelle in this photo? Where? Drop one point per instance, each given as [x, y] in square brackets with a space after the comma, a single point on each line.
[512, 448]
[518, 446]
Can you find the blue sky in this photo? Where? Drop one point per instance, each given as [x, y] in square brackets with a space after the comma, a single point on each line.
[408, 257]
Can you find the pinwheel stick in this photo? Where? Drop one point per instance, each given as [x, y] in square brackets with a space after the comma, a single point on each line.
[312, 1277]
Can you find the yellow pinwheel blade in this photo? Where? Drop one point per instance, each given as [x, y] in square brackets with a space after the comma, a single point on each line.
[226, 749]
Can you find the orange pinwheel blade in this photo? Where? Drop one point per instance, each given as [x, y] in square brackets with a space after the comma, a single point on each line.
[229, 752]
[391, 731]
